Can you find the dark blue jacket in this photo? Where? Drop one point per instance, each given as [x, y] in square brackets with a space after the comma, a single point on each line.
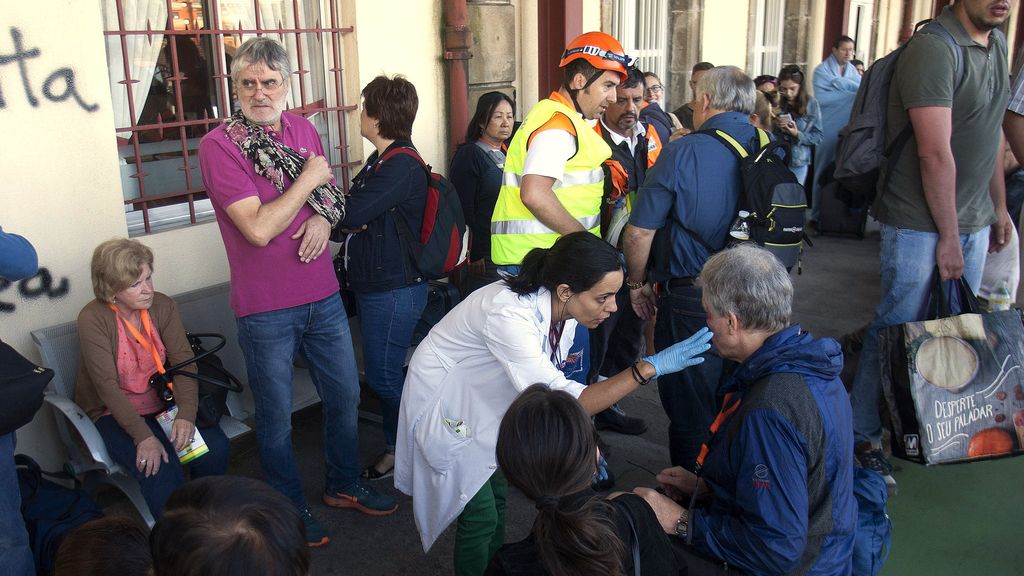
[378, 259]
[781, 467]
[477, 179]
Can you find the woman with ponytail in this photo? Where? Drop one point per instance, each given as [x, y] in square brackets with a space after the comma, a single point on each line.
[476, 361]
[547, 447]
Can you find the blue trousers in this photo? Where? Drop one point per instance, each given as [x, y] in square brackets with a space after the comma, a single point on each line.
[15, 555]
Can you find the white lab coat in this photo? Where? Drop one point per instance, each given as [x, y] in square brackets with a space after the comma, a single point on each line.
[470, 368]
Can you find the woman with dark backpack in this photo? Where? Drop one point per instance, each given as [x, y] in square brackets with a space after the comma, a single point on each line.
[389, 192]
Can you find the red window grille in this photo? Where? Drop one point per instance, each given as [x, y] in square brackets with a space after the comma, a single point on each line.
[183, 49]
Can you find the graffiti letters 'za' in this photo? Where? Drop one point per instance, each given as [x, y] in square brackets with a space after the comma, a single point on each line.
[35, 287]
[58, 86]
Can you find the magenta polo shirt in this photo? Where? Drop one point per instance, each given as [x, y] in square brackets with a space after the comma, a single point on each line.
[272, 277]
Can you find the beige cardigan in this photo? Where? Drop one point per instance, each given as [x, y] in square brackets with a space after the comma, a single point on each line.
[97, 389]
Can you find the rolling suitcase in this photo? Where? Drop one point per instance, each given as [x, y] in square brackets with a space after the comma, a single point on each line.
[836, 218]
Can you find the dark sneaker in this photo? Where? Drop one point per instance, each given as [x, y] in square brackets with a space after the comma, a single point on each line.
[615, 419]
[811, 228]
[874, 459]
[315, 534]
[362, 498]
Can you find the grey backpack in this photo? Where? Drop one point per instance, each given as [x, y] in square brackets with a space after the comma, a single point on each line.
[862, 151]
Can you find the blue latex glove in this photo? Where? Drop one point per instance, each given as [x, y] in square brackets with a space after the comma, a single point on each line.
[681, 355]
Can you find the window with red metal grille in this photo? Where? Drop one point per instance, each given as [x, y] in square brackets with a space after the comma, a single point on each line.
[169, 63]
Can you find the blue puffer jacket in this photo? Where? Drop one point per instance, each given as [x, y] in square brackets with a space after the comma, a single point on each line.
[781, 466]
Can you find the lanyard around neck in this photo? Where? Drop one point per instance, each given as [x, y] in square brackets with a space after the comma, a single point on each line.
[727, 410]
[555, 340]
[145, 341]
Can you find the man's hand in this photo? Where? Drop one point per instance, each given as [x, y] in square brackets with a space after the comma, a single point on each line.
[678, 134]
[314, 232]
[643, 301]
[949, 257]
[667, 511]
[677, 482]
[1001, 232]
[317, 171]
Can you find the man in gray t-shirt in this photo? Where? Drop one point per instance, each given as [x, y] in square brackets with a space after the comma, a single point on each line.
[945, 192]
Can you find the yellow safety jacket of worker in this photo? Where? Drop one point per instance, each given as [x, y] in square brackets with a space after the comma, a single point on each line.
[514, 229]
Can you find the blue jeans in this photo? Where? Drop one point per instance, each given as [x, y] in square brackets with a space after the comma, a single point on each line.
[157, 488]
[907, 265]
[689, 397]
[319, 332]
[576, 364]
[801, 176]
[15, 555]
[387, 320]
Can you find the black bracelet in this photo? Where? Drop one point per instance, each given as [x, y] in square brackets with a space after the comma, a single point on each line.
[638, 376]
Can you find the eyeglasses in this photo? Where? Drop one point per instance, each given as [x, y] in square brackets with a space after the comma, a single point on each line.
[248, 86]
[655, 89]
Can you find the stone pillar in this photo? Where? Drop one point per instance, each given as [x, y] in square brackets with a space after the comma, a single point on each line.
[493, 66]
[685, 21]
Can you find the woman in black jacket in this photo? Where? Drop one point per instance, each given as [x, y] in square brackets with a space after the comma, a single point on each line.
[476, 173]
[383, 217]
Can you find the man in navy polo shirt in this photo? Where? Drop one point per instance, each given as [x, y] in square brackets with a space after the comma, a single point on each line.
[690, 198]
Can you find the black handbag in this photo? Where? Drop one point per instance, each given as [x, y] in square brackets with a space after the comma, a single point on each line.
[21, 386]
[214, 380]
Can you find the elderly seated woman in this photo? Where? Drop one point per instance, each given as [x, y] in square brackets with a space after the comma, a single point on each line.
[776, 475]
[128, 333]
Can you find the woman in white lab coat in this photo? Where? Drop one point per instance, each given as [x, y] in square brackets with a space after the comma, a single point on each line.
[503, 338]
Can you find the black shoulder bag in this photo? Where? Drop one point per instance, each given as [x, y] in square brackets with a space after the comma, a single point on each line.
[214, 380]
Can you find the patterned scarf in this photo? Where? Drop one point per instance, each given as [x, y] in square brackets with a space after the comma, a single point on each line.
[273, 160]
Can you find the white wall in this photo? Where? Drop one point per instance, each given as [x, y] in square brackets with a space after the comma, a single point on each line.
[404, 37]
[724, 33]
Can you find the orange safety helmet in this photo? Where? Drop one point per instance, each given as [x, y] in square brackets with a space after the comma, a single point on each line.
[600, 50]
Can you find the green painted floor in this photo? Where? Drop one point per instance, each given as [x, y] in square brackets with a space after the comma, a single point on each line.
[962, 519]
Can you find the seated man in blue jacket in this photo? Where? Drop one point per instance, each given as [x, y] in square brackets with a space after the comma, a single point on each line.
[775, 480]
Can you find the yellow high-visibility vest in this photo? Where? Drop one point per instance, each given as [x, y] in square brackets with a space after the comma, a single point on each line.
[514, 229]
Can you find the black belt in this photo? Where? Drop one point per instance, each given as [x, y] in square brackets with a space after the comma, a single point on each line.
[680, 282]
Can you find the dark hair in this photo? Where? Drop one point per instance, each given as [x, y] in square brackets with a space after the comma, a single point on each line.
[634, 78]
[580, 66]
[763, 78]
[793, 73]
[856, 62]
[547, 447]
[843, 38]
[579, 260]
[112, 545]
[701, 66]
[485, 106]
[392, 102]
[229, 525]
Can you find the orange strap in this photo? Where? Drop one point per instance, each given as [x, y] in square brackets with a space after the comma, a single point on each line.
[727, 410]
[144, 341]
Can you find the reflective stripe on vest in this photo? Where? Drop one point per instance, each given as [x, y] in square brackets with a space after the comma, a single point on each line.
[514, 229]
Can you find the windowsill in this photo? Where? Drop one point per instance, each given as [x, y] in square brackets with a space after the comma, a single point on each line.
[164, 218]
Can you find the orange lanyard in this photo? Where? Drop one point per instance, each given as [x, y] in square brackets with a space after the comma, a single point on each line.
[727, 410]
[145, 341]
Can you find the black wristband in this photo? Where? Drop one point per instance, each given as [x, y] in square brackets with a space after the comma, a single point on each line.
[638, 376]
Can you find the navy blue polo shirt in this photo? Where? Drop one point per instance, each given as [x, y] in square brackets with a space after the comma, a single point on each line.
[693, 189]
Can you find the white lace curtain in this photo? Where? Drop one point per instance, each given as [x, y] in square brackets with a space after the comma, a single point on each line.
[142, 54]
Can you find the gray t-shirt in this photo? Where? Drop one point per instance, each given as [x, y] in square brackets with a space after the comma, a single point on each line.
[925, 76]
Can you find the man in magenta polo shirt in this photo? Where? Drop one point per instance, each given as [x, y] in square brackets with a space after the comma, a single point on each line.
[275, 215]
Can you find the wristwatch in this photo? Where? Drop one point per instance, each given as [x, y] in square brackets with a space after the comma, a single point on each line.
[683, 525]
[635, 285]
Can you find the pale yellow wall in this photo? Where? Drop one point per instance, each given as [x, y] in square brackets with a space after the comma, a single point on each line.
[724, 32]
[404, 37]
[526, 45]
[591, 15]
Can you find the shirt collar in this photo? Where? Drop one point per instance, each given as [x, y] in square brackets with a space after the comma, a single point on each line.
[725, 119]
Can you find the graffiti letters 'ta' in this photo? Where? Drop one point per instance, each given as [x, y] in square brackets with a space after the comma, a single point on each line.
[58, 86]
